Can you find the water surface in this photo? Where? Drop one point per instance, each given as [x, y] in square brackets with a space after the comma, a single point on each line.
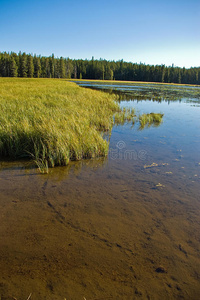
[122, 227]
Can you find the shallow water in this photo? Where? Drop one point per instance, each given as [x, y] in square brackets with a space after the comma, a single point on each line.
[123, 227]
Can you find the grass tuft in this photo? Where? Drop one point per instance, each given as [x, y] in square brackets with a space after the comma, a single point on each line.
[124, 115]
[150, 119]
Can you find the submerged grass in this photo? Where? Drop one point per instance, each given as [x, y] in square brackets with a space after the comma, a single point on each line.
[150, 119]
[53, 121]
[127, 115]
[124, 115]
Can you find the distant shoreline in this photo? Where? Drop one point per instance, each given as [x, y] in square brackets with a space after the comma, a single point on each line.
[141, 82]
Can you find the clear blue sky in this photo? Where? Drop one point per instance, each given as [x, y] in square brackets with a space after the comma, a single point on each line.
[147, 31]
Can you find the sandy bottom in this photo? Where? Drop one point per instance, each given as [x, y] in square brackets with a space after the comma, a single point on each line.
[87, 232]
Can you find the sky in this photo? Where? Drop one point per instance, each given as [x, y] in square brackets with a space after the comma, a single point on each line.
[147, 31]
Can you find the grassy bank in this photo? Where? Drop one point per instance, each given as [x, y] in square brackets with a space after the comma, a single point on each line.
[53, 121]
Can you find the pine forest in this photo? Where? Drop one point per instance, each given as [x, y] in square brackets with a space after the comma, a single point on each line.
[37, 66]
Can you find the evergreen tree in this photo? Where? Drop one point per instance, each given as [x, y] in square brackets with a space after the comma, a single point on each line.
[69, 68]
[48, 68]
[30, 66]
[103, 72]
[179, 76]
[23, 65]
[62, 68]
[75, 71]
[13, 67]
[3, 65]
[197, 76]
[52, 66]
[163, 74]
[44, 67]
[37, 66]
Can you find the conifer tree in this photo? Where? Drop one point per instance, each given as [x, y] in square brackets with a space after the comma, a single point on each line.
[62, 68]
[30, 66]
[75, 71]
[3, 65]
[197, 77]
[163, 74]
[13, 67]
[52, 66]
[179, 76]
[37, 67]
[57, 68]
[103, 72]
[23, 65]
[69, 68]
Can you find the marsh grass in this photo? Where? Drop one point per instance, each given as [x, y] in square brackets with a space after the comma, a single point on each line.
[150, 119]
[124, 115]
[127, 115]
[53, 121]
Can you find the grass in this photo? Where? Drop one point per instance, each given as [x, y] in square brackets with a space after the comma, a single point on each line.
[124, 115]
[53, 121]
[150, 119]
[127, 115]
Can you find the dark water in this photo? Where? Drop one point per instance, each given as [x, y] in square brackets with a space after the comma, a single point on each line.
[123, 227]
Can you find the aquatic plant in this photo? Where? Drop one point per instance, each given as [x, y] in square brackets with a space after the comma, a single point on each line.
[150, 119]
[152, 91]
[124, 115]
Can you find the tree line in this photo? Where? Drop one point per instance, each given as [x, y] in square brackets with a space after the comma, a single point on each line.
[34, 66]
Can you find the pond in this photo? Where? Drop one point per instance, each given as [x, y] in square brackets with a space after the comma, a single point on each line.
[121, 227]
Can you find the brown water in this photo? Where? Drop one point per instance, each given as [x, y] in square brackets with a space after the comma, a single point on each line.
[123, 227]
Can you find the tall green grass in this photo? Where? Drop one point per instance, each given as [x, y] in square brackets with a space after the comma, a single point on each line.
[53, 120]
